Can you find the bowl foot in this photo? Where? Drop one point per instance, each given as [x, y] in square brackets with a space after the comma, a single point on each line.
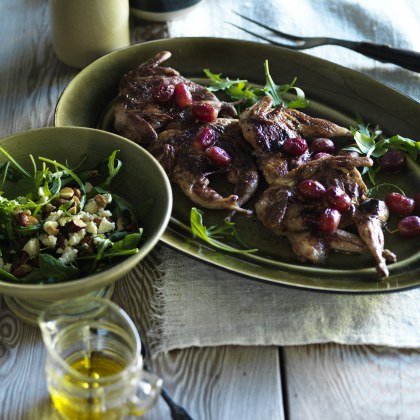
[29, 310]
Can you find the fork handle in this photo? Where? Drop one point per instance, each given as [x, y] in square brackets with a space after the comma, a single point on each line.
[404, 58]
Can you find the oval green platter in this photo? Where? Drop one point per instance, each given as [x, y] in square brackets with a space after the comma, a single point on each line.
[335, 92]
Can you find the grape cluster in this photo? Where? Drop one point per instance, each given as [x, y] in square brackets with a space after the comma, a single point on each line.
[337, 202]
[204, 111]
[405, 207]
[179, 93]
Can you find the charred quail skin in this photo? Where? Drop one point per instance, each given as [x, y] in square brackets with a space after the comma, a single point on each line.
[194, 135]
[189, 166]
[284, 212]
[266, 129]
[150, 100]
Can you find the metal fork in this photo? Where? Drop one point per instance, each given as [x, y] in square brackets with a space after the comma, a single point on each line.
[177, 412]
[381, 52]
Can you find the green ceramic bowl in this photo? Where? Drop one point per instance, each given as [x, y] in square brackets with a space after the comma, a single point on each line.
[141, 178]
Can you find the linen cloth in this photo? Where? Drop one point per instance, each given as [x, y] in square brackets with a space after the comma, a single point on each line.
[193, 304]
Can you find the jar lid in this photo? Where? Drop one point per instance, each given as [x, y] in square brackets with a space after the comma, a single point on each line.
[162, 10]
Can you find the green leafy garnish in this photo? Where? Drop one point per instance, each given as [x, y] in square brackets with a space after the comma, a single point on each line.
[44, 250]
[55, 269]
[373, 144]
[246, 94]
[212, 234]
[278, 92]
[380, 190]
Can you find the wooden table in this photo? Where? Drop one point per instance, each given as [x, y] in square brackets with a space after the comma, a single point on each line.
[302, 382]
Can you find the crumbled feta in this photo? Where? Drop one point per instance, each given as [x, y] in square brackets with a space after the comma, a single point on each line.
[105, 213]
[68, 256]
[86, 217]
[91, 228]
[76, 237]
[88, 187]
[50, 226]
[64, 220]
[54, 216]
[32, 247]
[105, 225]
[50, 241]
[91, 207]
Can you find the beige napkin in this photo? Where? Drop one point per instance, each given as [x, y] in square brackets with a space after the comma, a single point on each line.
[188, 303]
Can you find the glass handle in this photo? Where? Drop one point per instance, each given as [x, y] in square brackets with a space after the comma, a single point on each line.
[149, 387]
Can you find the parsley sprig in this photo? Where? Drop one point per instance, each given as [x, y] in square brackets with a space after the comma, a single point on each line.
[246, 94]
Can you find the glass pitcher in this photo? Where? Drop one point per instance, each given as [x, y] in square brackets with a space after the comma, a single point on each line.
[94, 366]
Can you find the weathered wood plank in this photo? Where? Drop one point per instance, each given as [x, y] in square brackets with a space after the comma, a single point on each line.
[206, 381]
[23, 390]
[352, 382]
[211, 383]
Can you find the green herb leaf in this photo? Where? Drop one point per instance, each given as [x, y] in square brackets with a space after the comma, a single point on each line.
[212, 234]
[278, 92]
[373, 144]
[53, 268]
[247, 95]
[15, 164]
[129, 242]
[218, 83]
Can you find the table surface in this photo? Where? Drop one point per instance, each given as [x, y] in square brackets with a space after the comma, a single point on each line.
[299, 382]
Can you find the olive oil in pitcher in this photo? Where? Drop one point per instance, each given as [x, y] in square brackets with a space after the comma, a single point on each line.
[94, 367]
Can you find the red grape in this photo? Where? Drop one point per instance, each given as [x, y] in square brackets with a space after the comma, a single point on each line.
[393, 160]
[182, 95]
[163, 92]
[311, 189]
[409, 226]
[205, 138]
[323, 145]
[417, 202]
[295, 146]
[205, 111]
[399, 204]
[329, 220]
[338, 199]
[320, 155]
[218, 156]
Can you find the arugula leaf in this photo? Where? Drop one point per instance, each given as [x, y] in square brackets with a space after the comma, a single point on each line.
[129, 242]
[16, 165]
[277, 92]
[217, 83]
[5, 275]
[43, 187]
[53, 268]
[212, 234]
[114, 166]
[373, 144]
[247, 95]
